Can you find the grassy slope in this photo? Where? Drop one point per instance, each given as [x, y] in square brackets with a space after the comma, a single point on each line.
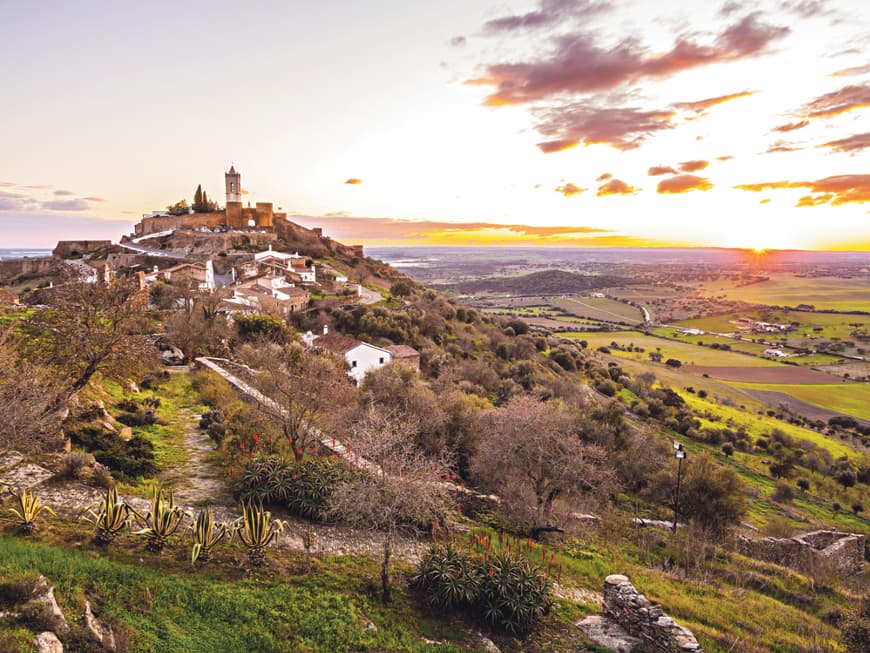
[789, 290]
[851, 399]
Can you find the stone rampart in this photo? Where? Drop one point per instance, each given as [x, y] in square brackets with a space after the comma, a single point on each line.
[829, 551]
[69, 248]
[644, 619]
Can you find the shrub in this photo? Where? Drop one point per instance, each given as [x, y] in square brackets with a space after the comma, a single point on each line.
[507, 591]
[305, 489]
[513, 593]
[72, 465]
[783, 492]
[803, 484]
[857, 507]
[673, 362]
[728, 449]
[128, 459]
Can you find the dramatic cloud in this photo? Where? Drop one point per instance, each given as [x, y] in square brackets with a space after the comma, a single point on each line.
[854, 143]
[569, 189]
[550, 12]
[791, 126]
[63, 193]
[840, 189]
[616, 187]
[604, 177]
[656, 171]
[835, 103]
[808, 8]
[621, 128]
[700, 106]
[683, 184]
[353, 181]
[66, 205]
[578, 65]
[693, 166]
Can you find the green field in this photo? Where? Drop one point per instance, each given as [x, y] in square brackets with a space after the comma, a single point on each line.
[850, 398]
[599, 308]
[789, 290]
[685, 352]
[830, 325]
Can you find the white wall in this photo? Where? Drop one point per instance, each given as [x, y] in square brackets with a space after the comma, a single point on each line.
[363, 358]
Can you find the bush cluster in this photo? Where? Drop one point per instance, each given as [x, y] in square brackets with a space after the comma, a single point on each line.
[304, 489]
[126, 458]
[505, 590]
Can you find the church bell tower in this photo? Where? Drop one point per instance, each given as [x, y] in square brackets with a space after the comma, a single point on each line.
[234, 185]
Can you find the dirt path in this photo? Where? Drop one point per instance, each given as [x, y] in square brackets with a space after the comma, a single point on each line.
[198, 480]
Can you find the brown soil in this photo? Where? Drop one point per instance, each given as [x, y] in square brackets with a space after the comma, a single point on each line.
[786, 374]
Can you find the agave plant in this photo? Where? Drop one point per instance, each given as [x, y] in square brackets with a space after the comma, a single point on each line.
[257, 530]
[113, 517]
[28, 508]
[162, 520]
[206, 536]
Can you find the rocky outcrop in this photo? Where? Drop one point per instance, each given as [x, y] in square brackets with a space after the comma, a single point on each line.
[644, 619]
[99, 631]
[841, 554]
[43, 593]
[47, 642]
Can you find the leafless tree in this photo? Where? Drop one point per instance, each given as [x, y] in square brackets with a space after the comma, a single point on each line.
[198, 327]
[308, 390]
[533, 458]
[31, 402]
[90, 328]
[397, 489]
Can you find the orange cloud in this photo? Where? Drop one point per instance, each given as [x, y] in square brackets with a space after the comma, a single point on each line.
[353, 181]
[791, 126]
[656, 171]
[604, 177]
[838, 102]
[549, 147]
[837, 190]
[623, 128]
[854, 143]
[693, 166]
[616, 187]
[569, 189]
[702, 105]
[683, 184]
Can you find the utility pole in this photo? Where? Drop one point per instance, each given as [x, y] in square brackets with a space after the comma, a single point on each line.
[680, 455]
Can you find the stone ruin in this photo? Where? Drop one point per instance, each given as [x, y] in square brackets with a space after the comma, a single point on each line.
[631, 622]
[830, 551]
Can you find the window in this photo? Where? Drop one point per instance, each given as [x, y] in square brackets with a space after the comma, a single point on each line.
[381, 360]
[353, 363]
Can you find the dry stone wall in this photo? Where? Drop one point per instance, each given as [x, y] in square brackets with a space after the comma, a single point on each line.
[839, 553]
[644, 619]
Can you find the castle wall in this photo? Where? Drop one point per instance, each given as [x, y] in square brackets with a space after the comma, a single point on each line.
[157, 224]
[264, 214]
[67, 248]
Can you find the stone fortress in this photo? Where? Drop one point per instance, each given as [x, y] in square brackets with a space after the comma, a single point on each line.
[234, 216]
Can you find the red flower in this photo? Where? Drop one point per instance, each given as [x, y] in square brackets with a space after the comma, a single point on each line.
[241, 444]
[293, 476]
[491, 571]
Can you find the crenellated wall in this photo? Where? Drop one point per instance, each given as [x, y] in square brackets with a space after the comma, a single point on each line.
[644, 619]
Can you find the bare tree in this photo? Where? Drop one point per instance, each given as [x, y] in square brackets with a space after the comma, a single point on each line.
[31, 401]
[397, 488]
[198, 327]
[307, 390]
[532, 456]
[90, 328]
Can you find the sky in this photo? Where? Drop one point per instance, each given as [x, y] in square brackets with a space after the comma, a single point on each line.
[588, 123]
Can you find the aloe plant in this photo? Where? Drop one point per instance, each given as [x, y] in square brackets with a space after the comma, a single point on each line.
[257, 530]
[112, 518]
[162, 520]
[206, 536]
[28, 508]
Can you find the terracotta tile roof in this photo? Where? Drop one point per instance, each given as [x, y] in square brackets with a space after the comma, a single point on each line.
[402, 351]
[337, 343]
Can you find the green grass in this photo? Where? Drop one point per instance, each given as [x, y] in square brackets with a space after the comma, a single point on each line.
[599, 308]
[185, 611]
[685, 351]
[849, 398]
[835, 293]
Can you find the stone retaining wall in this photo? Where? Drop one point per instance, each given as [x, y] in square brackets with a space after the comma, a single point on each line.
[644, 619]
[839, 553]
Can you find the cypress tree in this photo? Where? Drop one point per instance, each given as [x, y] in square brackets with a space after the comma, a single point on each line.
[197, 198]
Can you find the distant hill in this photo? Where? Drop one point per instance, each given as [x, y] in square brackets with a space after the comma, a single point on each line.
[546, 282]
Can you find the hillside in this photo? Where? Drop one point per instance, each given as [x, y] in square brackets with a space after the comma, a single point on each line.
[545, 282]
